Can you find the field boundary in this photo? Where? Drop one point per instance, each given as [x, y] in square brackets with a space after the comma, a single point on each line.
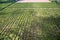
[35, 8]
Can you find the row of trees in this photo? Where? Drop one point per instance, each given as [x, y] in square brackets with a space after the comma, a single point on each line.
[57, 1]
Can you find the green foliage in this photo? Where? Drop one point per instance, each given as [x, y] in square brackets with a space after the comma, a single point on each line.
[56, 1]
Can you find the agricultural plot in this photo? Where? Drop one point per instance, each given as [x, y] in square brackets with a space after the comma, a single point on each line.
[32, 21]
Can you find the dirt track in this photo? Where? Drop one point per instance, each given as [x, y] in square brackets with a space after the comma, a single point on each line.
[34, 1]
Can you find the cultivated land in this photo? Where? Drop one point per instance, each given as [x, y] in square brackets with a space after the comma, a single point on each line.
[19, 22]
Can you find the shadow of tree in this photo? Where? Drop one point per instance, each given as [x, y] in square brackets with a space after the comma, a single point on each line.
[53, 24]
[9, 1]
[6, 6]
[48, 30]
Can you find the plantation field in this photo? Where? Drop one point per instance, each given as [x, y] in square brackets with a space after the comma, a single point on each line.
[29, 21]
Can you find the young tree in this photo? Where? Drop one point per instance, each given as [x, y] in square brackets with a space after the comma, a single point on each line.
[57, 1]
